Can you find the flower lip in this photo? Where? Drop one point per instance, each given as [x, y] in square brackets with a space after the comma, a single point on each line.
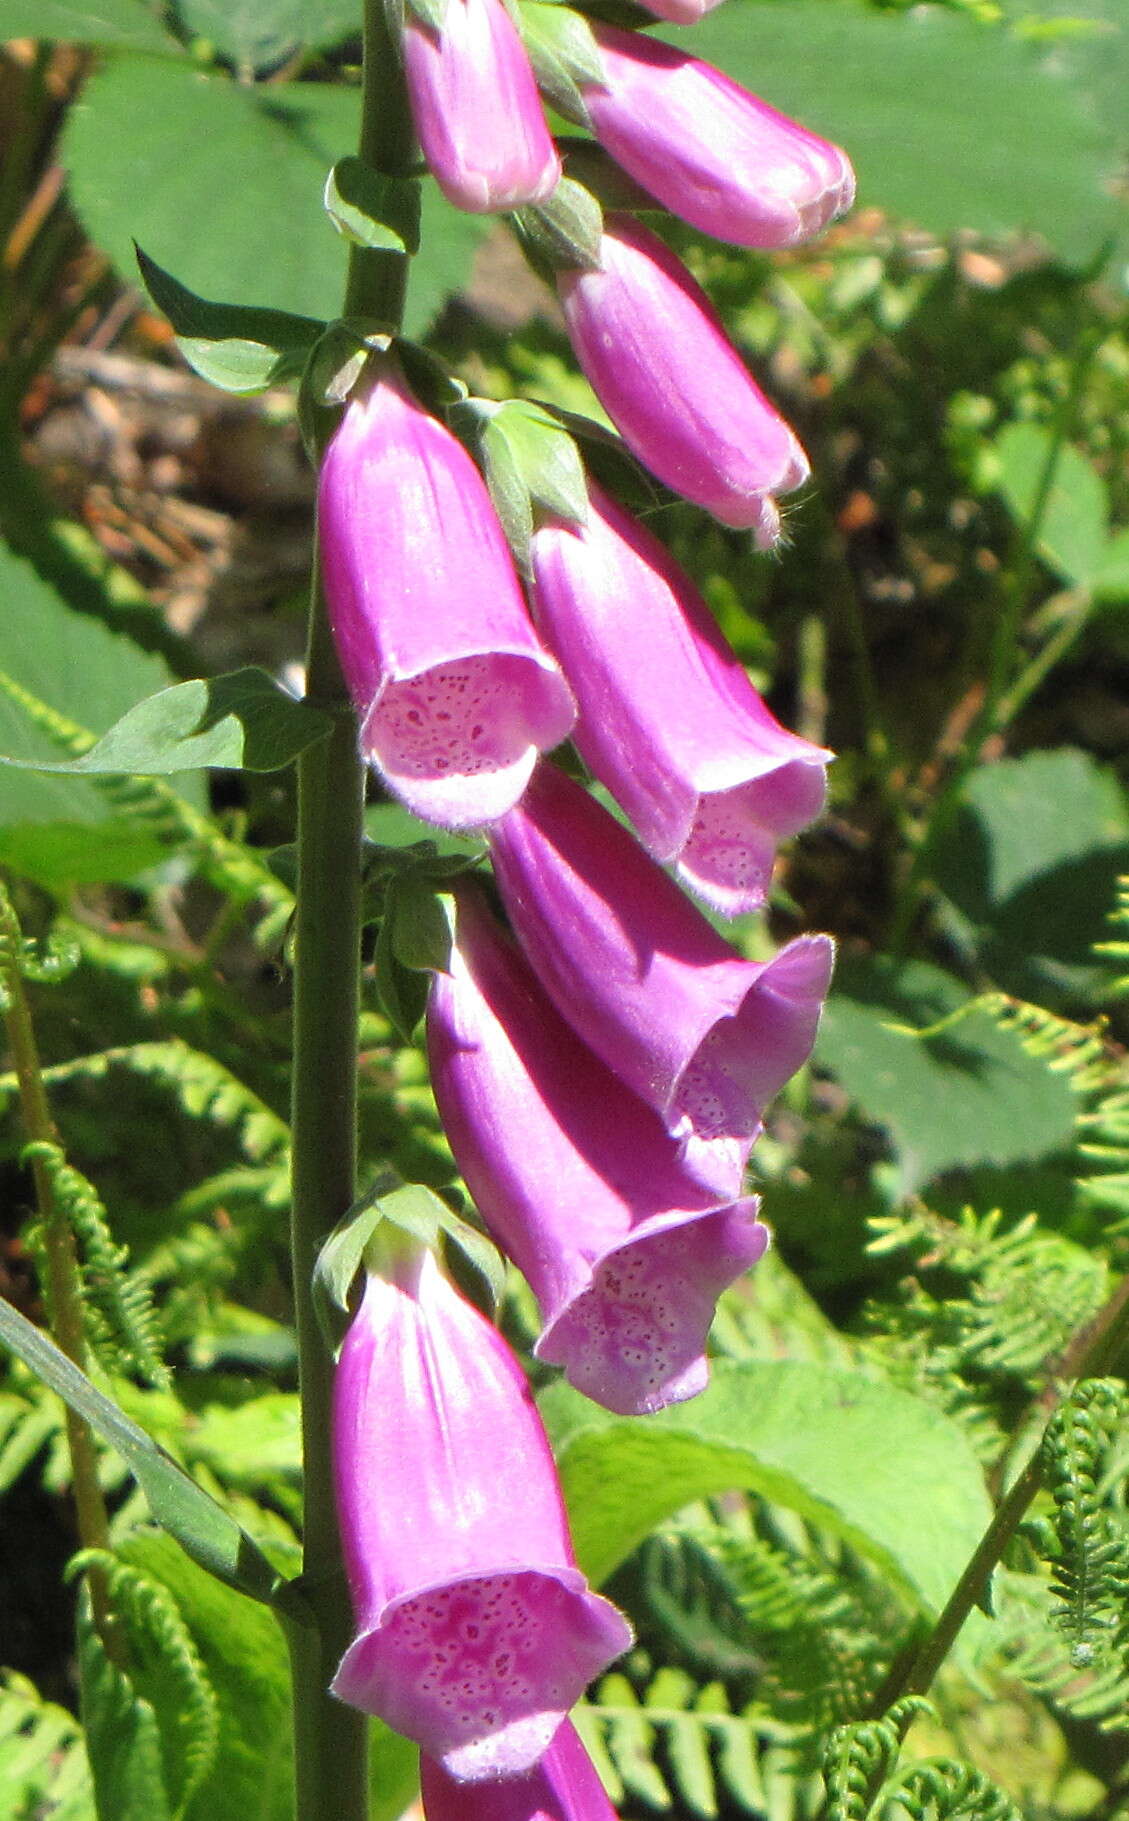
[482, 1668]
[562, 1786]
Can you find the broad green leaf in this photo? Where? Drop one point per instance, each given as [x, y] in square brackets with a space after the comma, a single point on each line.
[966, 1094]
[1031, 864]
[1112, 580]
[123, 1737]
[243, 1654]
[951, 123]
[1092, 53]
[242, 721]
[236, 346]
[126, 24]
[62, 830]
[1074, 526]
[259, 34]
[200, 1525]
[844, 1451]
[222, 183]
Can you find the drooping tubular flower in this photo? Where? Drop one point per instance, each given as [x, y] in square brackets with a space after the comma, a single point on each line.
[708, 150]
[668, 720]
[702, 1035]
[681, 12]
[562, 1786]
[578, 1181]
[656, 354]
[476, 109]
[456, 693]
[476, 1631]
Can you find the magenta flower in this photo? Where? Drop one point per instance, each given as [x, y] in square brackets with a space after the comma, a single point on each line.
[579, 1182]
[476, 1631]
[681, 12]
[702, 1035]
[708, 150]
[562, 1786]
[456, 694]
[476, 108]
[672, 382]
[668, 719]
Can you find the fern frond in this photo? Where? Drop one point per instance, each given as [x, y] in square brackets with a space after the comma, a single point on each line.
[122, 1322]
[859, 1756]
[161, 1646]
[944, 1789]
[43, 1764]
[1118, 948]
[1090, 1569]
[204, 1088]
[680, 1744]
[28, 1421]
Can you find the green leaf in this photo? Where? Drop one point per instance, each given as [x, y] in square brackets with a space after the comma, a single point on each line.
[64, 830]
[965, 1095]
[243, 721]
[243, 1653]
[236, 346]
[125, 24]
[844, 1451]
[1074, 526]
[1031, 864]
[951, 123]
[372, 210]
[43, 1763]
[222, 182]
[200, 1525]
[1111, 583]
[260, 34]
[123, 1737]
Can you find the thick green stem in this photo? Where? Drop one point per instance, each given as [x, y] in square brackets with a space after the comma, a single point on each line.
[64, 1287]
[331, 1772]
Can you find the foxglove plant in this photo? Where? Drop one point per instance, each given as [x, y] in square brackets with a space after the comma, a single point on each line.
[476, 1631]
[704, 1036]
[455, 692]
[657, 357]
[476, 108]
[562, 1786]
[624, 1250]
[712, 153]
[667, 717]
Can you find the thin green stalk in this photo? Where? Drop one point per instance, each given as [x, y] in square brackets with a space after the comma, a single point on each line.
[331, 1771]
[64, 1285]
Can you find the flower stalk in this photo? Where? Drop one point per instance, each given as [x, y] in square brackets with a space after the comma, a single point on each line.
[330, 1739]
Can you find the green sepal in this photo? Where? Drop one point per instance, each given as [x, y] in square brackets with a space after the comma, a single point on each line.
[201, 1526]
[238, 347]
[372, 210]
[241, 722]
[564, 55]
[565, 232]
[400, 990]
[421, 925]
[531, 463]
[429, 12]
[415, 1210]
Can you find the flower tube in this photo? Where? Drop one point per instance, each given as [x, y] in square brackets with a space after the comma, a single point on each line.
[578, 1181]
[668, 719]
[680, 12]
[708, 150]
[562, 1786]
[656, 354]
[476, 109]
[476, 1631]
[456, 694]
[702, 1035]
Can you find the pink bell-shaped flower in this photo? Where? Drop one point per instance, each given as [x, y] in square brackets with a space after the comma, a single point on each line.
[578, 1181]
[457, 695]
[656, 354]
[476, 109]
[709, 151]
[680, 12]
[668, 719]
[702, 1035]
[562, 1786]
[476, 1631]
